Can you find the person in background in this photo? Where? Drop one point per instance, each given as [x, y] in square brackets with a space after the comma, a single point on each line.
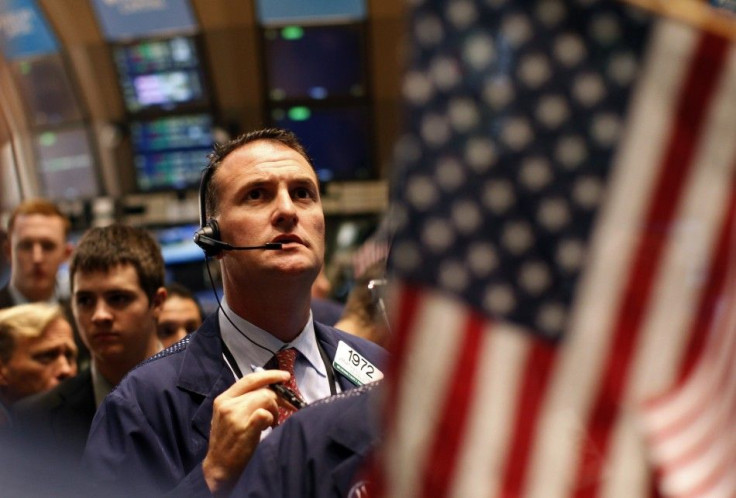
[117, 283]
[365, 314]
[324, 309]
[37, 352]
[36, 247]
[187, 421]
[181, 315]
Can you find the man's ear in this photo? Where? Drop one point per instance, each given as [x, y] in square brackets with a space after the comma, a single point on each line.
[157, 303]
[68, 251]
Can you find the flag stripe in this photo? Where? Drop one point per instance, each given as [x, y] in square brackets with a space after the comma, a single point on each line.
[443, 455]
[693, 102]
[533, 390]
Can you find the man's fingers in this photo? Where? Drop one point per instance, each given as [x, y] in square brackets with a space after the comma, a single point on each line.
[254, 381]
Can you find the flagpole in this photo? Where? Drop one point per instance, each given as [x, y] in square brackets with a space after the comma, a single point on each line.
[697, 13]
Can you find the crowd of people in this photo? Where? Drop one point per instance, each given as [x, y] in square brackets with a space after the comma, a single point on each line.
[126, 382]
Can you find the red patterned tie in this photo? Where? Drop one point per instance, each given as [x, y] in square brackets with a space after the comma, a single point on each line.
[284, 360]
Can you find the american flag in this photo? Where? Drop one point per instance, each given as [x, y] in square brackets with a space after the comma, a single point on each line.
[565, 314]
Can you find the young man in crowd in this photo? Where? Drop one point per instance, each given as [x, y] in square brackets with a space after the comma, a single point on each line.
[180, 315]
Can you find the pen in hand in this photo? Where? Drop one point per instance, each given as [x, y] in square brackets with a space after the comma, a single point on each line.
[284, 392]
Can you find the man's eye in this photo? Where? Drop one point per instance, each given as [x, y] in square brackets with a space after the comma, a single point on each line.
[303, 193]
[84, 301]
[118, 300]
[255, 194]
[24, 246]
[166, 331]
[48, 246]
[46, 357]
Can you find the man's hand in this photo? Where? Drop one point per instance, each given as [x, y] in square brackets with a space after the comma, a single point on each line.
[239, 416]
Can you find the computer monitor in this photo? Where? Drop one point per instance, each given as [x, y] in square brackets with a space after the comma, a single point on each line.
[314, 62]
[66, 164]
[160, 74]
[46, 90]
[338, 139]
[170, 152]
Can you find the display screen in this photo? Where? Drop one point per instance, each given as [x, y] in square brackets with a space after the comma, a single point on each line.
[66, 164]
[163, 74]
[46, 90]
[314, 62]
[337, 139]
[170, 152]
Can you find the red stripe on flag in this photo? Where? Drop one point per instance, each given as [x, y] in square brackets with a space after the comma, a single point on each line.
[693, 102]
[443, 454]
[533, 391]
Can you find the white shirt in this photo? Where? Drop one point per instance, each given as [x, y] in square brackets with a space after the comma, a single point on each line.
[309, 370]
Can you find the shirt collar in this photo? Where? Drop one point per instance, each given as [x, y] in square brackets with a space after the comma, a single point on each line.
[100, 385]
[235, 329]
[19, 298]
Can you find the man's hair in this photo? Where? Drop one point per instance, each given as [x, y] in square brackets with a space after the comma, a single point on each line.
[103, 248]
[27, 320]
[38, 206]
[182, 291]
[221, 151]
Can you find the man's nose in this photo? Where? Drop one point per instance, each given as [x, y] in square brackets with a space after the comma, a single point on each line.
[37, 253]
[285, 208]
[66, 367]
[101, 312]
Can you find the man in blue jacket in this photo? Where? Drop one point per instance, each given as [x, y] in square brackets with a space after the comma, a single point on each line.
[188, 420]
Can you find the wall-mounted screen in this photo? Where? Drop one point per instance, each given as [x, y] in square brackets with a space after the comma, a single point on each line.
[160, 74]
[129, 19]
[170, 152]
[316, 11]
[338, 139]
[46, 90]
[24, 31]
[314, 62]
[66, 164]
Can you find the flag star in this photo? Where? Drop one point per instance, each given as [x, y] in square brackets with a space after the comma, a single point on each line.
[570, 254]
[622, 68]
[479, 51]
[435, 129]
[534, 70]
[552, 111]
[480, 154]
[554, 214]
[463, 114]
[516, 30]
[587, 192]
[406, 256]
[408, 148]
[588, 89]
[428, 30]
[421, 192]
[569, 49]
[449, 173]
[417, 88]
[517, 133]
[605, 129]
[498, 196]
[499, 299]
[437, 234]
[454, 276]
[605, 29]
[551, 318]
[571, 151]
[461, 13]
[466, 216]
[498, 92]
[482, 259]
[517, 237]
[535, 173]
[445, 73]
[534, 277]
[551, 12]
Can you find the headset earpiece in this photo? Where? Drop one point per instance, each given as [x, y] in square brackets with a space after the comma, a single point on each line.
[208, 238]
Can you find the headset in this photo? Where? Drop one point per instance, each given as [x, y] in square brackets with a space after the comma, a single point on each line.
[207, 236]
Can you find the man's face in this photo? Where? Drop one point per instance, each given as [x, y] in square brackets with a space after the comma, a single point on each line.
[37, 248]
[115, 319]
[269, 193]
[39, 363]
[179, 317]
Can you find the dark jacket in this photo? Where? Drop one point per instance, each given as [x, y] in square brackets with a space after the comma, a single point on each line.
[59, 419]
[151, 433]
[320, 451]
